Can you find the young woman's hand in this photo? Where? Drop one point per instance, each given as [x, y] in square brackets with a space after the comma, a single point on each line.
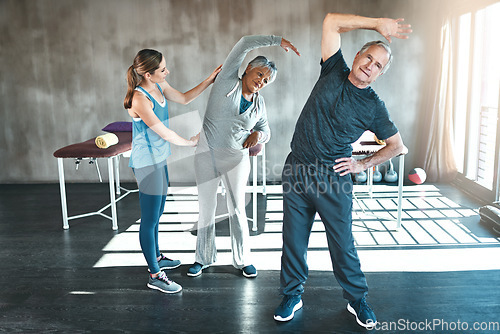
[194, 139]
[286, 45]
[212, 76]
[252, 140]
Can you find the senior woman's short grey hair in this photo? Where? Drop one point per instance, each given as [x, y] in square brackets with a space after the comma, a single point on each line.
[261, 61]
[385, 46]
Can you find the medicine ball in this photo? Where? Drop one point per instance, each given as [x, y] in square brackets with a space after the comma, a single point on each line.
[417, 175]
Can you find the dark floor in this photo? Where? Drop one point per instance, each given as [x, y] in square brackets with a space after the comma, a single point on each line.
[48, 283]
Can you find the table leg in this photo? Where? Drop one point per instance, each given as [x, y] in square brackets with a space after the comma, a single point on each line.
[263, 162]
[370, 181]
[254, 193]
[114, 219]
[62, 186]
[400, 189]
[117, 175]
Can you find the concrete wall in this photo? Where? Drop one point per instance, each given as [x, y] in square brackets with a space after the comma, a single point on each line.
[63, 65]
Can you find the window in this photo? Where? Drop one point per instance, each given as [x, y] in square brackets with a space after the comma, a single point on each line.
[476, 96]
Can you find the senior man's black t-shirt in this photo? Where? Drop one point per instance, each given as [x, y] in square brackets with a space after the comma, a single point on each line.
[336, 115]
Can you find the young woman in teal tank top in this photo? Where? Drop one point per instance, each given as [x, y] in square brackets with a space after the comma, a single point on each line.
[146, 102]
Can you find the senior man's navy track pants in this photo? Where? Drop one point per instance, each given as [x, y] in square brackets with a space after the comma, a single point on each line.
[307, 190]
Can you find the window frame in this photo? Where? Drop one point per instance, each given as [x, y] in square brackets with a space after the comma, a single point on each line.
[462, 180]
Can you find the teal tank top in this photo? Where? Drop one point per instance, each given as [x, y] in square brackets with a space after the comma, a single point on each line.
[148, 148]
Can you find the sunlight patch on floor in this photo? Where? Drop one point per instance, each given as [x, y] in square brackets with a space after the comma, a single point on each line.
[432, 237]
[411, 260]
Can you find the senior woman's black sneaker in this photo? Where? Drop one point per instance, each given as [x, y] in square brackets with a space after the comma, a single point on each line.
[249, 271]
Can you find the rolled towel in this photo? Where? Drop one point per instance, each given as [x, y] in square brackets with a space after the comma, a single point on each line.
[106, 140]
[379, 141]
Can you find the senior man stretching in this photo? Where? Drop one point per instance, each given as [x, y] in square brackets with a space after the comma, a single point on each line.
[317, 173]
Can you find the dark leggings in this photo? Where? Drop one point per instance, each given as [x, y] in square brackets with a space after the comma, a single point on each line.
[153, 186]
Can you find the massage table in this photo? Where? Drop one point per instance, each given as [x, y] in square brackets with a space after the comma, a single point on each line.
[89, 150]
[366, 146]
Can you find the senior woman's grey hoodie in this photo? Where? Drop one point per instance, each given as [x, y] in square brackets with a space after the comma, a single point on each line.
[223, 125]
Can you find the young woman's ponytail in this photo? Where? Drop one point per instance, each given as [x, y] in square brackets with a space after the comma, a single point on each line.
[132, 82]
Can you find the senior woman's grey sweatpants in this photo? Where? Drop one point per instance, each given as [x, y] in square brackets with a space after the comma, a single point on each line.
[233, 167]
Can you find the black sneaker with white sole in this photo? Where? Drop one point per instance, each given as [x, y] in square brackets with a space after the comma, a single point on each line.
[196, 269]
[362, 311]
[286, 310]
[249, 271]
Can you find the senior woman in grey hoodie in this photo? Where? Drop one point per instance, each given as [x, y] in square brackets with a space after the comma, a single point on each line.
[235, 120]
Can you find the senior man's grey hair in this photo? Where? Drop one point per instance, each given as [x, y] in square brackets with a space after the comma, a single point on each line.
[385, 46]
